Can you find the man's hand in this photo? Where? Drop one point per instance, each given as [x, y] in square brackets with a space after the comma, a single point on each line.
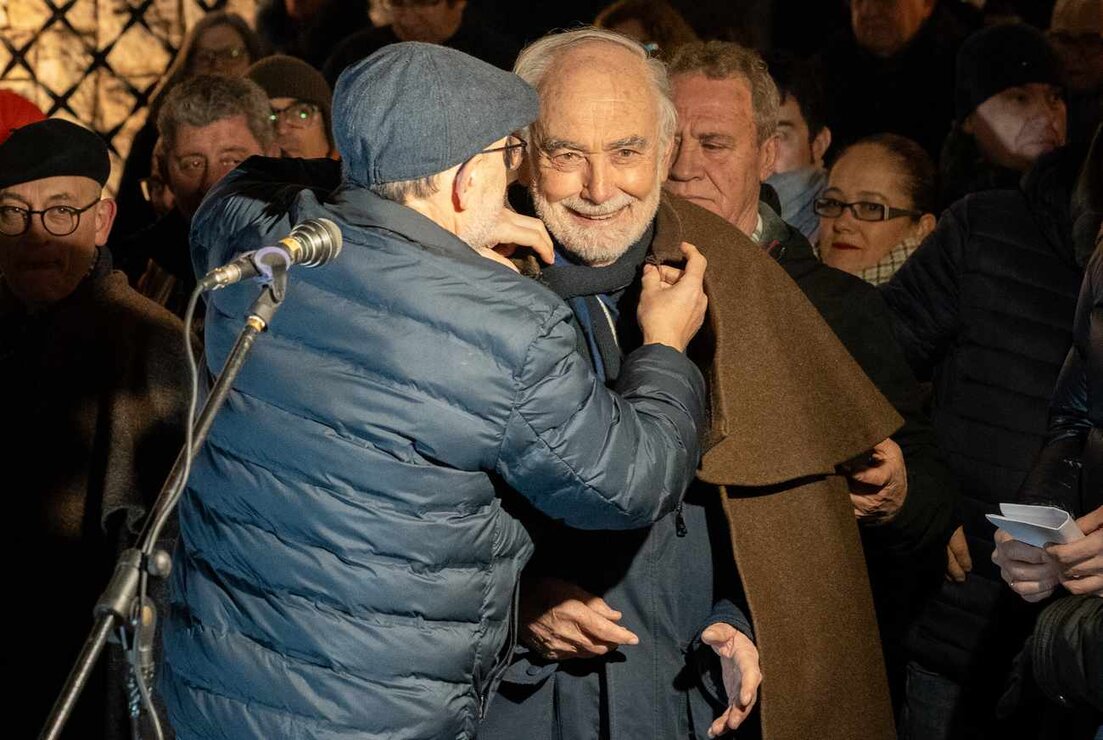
[672, 303]
[878, 491]
[1028, 570]
[514, 230]
[561, 621]
[742, 675]
[958, 560]
[1080, 564]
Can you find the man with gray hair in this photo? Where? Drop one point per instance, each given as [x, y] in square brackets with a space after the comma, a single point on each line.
[728, 114]
[349, 563]
[208, 125]
[642, 634]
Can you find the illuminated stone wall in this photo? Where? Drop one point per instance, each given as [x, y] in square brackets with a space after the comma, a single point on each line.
[97, 61]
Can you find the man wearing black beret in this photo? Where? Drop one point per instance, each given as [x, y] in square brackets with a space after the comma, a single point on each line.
[93, 394]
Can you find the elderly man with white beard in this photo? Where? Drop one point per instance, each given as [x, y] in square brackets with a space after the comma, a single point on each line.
[646, 634]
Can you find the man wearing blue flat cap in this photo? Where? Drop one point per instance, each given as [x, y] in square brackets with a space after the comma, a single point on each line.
[93, 394]
[350, 556]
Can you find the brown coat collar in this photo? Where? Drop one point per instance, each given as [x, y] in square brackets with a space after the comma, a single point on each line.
[795, 404]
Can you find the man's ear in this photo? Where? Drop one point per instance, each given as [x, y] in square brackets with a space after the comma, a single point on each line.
[105, 212]
[463, 185]
[767, 158]
[820, 144]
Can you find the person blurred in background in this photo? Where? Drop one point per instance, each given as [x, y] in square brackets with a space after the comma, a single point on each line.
[300, 100]
[893, 70]
[16, 111]
[451, 23]
[654, 23]
[1009, 110]
[879, 204]
[309, 29]
[803, 138]
[220, 43]
[1076, 33]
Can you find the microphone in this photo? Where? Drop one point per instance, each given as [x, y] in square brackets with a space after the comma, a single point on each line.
[312, 243]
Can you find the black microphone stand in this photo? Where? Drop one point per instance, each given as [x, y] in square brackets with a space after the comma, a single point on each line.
[117, 607]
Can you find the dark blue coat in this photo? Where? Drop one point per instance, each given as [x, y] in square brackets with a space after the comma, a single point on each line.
[348, 564]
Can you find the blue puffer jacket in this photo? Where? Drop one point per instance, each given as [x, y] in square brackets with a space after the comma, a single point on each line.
[347, 564]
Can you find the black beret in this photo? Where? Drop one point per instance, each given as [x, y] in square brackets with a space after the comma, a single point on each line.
[53, 148]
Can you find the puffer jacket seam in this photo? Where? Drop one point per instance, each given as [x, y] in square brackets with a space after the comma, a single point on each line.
[307, 720]
[381, 505]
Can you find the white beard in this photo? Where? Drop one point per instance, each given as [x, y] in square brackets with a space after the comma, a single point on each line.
[602, 242]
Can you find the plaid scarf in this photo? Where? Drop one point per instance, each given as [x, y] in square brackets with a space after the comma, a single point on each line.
[883, 271]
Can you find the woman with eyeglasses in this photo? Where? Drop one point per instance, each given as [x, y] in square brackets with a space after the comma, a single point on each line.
[878, 206]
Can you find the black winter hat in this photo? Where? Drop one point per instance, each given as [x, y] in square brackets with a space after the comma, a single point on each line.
[998, 57]
[53, 148]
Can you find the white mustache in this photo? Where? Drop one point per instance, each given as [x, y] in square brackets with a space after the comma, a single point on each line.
[578, 205]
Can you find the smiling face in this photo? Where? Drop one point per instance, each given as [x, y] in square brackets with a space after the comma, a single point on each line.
[1015, 127]
[866, 172]
[718, 163]
[38, 267]
[598, 161]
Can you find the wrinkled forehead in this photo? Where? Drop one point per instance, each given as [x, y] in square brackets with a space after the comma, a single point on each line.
[60, 190]
[598, 95]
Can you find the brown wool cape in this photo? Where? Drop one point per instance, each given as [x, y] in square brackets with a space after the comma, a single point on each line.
[787, 405]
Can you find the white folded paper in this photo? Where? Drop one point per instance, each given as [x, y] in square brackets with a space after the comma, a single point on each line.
[1037, 525]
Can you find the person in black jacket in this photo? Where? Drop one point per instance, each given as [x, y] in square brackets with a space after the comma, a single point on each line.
[893, 70]
[903, 528]
[983, 309]
[1066, 649]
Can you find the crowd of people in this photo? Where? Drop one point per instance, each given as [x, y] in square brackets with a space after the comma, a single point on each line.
[662, 388]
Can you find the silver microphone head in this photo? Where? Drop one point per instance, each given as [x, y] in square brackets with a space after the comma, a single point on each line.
[319, 239]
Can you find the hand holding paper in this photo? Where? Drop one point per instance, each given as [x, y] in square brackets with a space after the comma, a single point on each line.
[1069, 553]
[1081, 563]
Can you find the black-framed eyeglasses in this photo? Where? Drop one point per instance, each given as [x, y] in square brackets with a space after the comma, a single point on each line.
[296, 115]
[58, 220]
[513, 153]
[863, 210]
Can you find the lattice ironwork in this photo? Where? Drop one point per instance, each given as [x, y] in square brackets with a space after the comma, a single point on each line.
[97, 61]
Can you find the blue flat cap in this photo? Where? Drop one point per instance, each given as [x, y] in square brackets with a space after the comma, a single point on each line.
[411, 110]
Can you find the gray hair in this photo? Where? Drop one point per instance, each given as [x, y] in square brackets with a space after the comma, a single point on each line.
[722, 60]
[537, 58]
[401, 191]
[202, 100]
